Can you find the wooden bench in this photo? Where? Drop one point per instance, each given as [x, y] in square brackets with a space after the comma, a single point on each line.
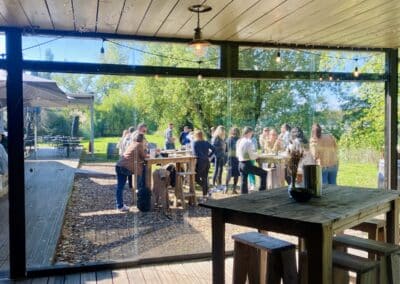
[387, 254]
[263, 259]
[366, 270]
[180, 193]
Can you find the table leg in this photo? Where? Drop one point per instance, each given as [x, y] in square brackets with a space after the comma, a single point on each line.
[218, 246]
[392, 223]
[192, 183]
[319, 255]
[148, 176]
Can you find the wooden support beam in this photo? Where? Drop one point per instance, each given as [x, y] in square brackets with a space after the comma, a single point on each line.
[391, 118]
[16, 185]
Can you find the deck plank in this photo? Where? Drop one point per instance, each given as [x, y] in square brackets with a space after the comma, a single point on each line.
[120, 276]
[104, 277]
[72, 278]
[150, 274]
[135, 275]
[88, 278]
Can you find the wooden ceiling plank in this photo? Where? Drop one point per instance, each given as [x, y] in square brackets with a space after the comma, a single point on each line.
[85, 15]
[237, 16]
[13, 13]
[275, 15]
[378, 37]
[134, 12]
[156, 14]
[218, 7]
[37, 13]
[61, 14]
[367, 27]
[314, 13]
[178, 18]
[346, 19]
[109, 15]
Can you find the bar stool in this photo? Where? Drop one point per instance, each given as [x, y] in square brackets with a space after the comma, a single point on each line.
[180, 194]
[263, 259]
[387, 254]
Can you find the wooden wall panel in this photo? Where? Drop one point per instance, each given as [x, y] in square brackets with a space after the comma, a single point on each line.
[37, 13]
[13, 13]
[109, 15]
[132, 16]
[61, 14]
[85, 15]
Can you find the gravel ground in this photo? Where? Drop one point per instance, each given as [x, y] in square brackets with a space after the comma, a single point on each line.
[94, 231]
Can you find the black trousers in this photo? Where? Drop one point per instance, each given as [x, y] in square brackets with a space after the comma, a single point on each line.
[202, 168]
[247, 168]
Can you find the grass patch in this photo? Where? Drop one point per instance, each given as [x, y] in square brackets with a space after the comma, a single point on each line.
[358, 174]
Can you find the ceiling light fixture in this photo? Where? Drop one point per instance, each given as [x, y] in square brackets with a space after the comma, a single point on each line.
[198, 43]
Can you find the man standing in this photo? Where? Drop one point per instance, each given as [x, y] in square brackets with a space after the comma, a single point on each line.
[183, 137]
[246, 152]
[169, 138]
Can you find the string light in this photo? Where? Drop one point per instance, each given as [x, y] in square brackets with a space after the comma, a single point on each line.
[320, 78]
[199, 77]
[330, 77]
[156, 76]
[102, 46]
[356, 73]
[278, 57]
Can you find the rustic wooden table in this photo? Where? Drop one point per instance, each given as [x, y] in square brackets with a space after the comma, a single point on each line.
[178, 160]
[315, 221]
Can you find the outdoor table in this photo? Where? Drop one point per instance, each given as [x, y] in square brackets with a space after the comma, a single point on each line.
[279, 160]
[179, 160]
[315, 221]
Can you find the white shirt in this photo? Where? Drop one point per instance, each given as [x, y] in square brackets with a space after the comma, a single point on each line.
[245, 150]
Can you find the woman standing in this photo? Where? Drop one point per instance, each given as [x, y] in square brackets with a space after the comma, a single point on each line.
[218, 141]
[203, 150]
[233, 162]
[131, 162]
[324, 149]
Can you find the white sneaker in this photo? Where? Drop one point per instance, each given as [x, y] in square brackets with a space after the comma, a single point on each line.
[123, 209]
[251, 188]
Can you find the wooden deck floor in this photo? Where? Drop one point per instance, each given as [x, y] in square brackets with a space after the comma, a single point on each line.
[48, 185]
[185, 272]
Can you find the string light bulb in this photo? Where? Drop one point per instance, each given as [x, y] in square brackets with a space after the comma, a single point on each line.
[102, 46]
[278, 57]
[199, 77]
[320, 78]
[356, 73]
[330, 77]
[156, 76]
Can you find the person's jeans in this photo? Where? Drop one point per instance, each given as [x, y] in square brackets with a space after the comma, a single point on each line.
[202, 168]
[218, 168]
[169, 146]
[122, 176]
[329, 175]
[252, 178]
[247, 168]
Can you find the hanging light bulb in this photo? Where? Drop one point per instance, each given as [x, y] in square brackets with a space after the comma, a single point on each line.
[320, 78]
[156, 76]
[198, 43]
[278, 57]
[330, 77]
[199, 77]
[356, 73]
[102, 46]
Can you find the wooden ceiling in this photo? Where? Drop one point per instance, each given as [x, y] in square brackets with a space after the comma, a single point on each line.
[357, 23]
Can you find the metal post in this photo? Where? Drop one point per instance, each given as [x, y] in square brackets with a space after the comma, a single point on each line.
[391, 93]
[35, 127]
[16, 183]
[92, 127]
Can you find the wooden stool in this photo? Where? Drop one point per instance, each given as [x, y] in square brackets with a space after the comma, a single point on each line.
[376, 229]
[253, 249]
[387, 254]
[366, 269]
[180, 193]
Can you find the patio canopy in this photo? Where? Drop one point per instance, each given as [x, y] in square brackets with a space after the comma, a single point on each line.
[313, 22]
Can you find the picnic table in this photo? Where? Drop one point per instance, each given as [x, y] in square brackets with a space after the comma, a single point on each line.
[316, 221]
[179, 161]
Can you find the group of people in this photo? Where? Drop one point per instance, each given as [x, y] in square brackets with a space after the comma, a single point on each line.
[238, 151]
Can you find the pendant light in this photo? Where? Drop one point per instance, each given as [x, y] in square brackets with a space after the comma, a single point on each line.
[198, 43]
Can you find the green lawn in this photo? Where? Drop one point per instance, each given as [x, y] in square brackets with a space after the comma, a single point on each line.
[358, 174]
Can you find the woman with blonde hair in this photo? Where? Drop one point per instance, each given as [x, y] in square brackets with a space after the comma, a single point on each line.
[218, 141]
[203, 150]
